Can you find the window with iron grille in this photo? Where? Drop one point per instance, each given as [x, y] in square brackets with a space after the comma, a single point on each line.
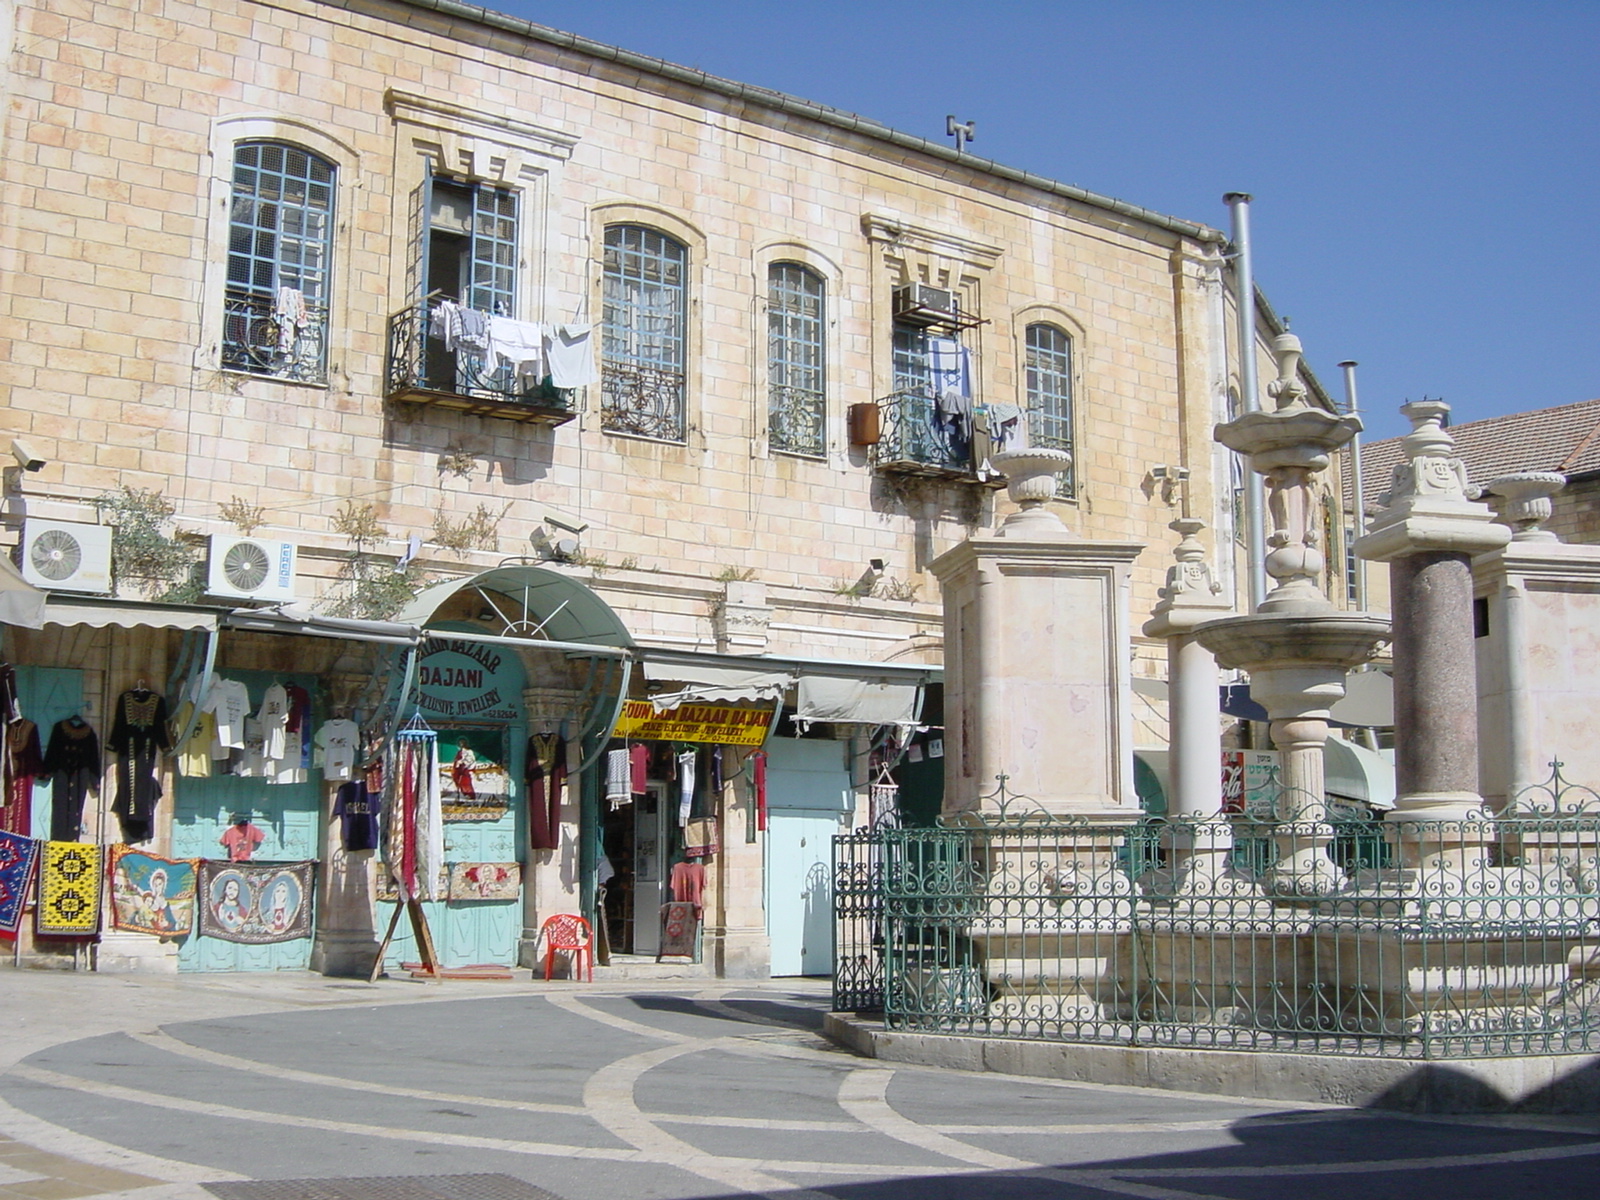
[1048, 369]
[645, 325]
[280, 252]
[796, 404]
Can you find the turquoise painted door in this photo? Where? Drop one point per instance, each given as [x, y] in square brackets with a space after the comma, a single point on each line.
[288, 814]
[809, 799]
[472, 932]
[48, 695]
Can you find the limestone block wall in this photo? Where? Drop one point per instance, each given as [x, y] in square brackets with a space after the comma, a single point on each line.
[117, 154]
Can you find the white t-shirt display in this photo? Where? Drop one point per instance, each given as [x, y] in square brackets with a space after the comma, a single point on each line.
[229, 701]
[274, 718]
[336, 749]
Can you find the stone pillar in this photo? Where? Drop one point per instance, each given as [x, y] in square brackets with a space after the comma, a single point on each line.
[550, 882]
[346, 937]
[1201, 839]
[1037, 659]
[735, 944]
[1428, 531]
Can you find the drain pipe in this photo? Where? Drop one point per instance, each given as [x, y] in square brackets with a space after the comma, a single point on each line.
[1245, 296]
[1358, 498]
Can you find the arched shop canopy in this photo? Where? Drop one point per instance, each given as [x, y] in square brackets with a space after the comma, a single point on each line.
[529, 603]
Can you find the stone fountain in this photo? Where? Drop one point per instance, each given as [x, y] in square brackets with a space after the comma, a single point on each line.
[1297, 647]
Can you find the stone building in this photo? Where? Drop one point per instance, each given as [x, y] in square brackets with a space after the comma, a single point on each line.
[334, 319]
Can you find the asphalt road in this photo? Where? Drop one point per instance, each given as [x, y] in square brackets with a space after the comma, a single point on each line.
[202, 1087]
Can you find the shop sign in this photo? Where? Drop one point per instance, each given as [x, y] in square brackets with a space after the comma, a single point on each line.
[468, 681]
[1249, 781]
[713, 724]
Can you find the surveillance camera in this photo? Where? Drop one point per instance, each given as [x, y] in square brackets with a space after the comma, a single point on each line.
[26, 458]
[565, 521]
[877, 564]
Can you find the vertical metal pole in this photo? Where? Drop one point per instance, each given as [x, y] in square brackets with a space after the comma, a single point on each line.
[1249, 395]
[1358, 498]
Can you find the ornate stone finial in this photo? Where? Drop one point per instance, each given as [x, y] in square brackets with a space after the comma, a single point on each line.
[1287, 389]
[1525, 502]
[1031, 483]
[1427, 506]
[1191, 594]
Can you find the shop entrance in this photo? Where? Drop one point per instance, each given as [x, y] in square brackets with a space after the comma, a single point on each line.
[640, 842]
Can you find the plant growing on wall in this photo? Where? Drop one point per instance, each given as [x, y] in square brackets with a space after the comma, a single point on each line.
[147, 553]
[242, 515]
[371, 586]
[478, 531]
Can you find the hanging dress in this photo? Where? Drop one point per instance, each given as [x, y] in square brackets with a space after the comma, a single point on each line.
[138, 735]
[72, 762]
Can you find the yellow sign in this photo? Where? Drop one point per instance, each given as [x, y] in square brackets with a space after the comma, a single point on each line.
[714, 724]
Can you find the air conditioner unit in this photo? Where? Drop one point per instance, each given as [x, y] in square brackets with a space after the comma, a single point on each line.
[66, 556]
[927, 305]
[248, 568]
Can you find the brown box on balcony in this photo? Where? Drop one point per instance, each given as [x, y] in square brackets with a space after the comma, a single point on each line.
[866, 425]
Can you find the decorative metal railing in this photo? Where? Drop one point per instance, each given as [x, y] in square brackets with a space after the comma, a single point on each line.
[255, 340]
[1273, 932]
[796, 420]
[422, 368]
[642, 400]
[916, 436]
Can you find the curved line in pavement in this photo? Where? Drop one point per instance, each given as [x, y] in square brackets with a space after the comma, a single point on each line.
[69, 1143]
[864, 1094]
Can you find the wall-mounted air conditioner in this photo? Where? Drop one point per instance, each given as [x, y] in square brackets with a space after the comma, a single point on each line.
[920, 303]
[66, 556]
[248, 568]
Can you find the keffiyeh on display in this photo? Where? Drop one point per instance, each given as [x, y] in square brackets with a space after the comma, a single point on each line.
[415, 845]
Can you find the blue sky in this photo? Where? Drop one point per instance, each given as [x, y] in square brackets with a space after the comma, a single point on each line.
[1426, 174]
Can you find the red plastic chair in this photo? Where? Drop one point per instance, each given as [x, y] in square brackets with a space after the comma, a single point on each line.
[570, 932]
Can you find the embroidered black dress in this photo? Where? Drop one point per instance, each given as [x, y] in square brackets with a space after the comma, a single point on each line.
[138, 735]
[72, 763]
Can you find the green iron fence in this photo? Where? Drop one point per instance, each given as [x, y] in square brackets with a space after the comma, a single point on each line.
[1276, 930]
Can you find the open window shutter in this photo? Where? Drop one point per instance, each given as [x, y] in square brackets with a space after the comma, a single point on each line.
[494, 250]
[417, 239]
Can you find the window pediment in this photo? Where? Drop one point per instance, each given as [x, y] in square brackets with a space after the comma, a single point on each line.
[472, 144]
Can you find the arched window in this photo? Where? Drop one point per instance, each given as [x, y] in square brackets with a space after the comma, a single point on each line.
[280, 261]
[796, 399]
[645, 333]
[1048, 369]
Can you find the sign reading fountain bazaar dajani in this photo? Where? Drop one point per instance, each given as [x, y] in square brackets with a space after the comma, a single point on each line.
[712, 724]
[458, 680]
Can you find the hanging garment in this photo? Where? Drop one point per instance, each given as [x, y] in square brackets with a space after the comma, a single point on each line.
[300, 723]
[570, 353]
[471, 331]
[23, 763]
[241, 840]
[759, 758]
[639, 768]
[229, 701]
[273, 716]
[288, 769]
[290, 315]
[194, 755]
[358, 810]
[700, 837]
[545, 775]
[138, 734]
[444, 322]
[10, 708]
[336, 749]
[72, 761]
[417, 825]
[248, 762]
[618, 778]
[517, 344]
[686, 762]
[688, 883]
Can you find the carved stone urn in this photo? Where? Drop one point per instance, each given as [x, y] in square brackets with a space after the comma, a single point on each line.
[1031, 483]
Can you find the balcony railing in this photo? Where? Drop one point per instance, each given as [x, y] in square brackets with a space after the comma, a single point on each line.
[796, 421]
[642, 400]
[916, 438]
[422, 370]
[255, 341]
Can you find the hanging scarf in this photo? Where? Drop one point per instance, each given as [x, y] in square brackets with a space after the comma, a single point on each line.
[419, 821]
[618, 777]
[760, 757]
[545, 774]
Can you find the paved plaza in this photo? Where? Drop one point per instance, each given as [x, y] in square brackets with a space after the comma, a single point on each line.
[224, 1087]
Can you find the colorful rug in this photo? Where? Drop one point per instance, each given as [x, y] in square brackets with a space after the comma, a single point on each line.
[151, 894]
[69, 890]
[17, 857]
[255, 903]
[485, 881]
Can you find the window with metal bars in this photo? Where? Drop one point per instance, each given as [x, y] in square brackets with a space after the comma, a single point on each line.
[280, 258]
[796, 399]
[1047, 364]
[645, 327]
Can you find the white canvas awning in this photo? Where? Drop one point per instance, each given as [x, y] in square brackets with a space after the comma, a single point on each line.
[1353, 772]
[858, 701]
[705, 683]
[20, 602]
[127, 614]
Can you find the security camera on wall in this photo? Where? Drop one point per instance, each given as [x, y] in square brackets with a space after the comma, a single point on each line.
[26, 458]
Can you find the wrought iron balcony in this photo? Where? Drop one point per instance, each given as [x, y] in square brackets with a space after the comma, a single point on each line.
[796, 421]
[643, 400]
[916, 439]
[422, 370]
[255, 341]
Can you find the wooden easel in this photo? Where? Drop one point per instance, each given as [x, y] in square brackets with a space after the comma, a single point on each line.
[419, 929]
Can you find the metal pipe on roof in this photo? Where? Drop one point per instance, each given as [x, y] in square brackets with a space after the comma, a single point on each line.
[1358, 498]
[1249, 396]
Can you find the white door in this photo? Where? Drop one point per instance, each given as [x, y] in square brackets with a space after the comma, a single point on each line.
[650, 869]
[809, 799]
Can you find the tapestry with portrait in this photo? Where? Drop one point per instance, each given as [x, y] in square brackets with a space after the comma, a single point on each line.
[255, 903]
[151, 894]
